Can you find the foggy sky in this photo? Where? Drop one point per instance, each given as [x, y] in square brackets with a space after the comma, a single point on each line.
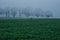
[53, 5]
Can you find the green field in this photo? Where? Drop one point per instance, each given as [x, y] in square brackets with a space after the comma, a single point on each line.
[30, 29]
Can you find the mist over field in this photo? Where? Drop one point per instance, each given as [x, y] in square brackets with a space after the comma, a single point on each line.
[29, 19]
[45, 5]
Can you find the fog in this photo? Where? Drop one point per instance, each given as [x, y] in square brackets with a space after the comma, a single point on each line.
[53, 5]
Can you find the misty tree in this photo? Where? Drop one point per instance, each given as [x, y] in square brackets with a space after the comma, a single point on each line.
[37, 12]
[37, 15]
[13, 12]
[1, 11]
[27, 11]
[20, 12]
[7, 12]
[42, 14]
[49, 14]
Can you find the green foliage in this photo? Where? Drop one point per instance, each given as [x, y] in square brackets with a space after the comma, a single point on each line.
[30, 29]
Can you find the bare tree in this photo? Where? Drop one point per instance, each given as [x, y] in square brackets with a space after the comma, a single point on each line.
[49, 14]
[42, 14]
[1, 11]
[7, 12]
[27, 11]
[37, 12]
[37, 15]
[20, 12]
[13, 12]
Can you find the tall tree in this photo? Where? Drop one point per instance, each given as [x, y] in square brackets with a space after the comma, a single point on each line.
[27, 11]
[7, 12]
[37, 12]
[49, 14]
[20, 12]
[1, 11]
[13, 12]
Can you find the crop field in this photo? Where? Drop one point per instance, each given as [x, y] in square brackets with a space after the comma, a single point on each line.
[29, 29]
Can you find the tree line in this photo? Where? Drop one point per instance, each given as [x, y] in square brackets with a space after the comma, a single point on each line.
[37, 12]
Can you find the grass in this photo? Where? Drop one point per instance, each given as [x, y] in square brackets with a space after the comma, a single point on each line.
[30, 29]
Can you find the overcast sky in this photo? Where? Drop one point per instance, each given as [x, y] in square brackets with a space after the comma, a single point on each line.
[53, 5]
